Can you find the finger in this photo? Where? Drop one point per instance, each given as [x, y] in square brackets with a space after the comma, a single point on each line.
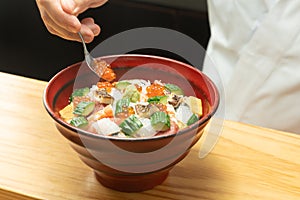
[59, 31]
[88, 29]
[97, 3]
[87, 33]
[61, 18]
[83, 5]
[48, 23]
[68, 6]
[90, 23]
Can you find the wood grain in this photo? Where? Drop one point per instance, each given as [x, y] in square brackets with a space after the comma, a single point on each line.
[36, 162]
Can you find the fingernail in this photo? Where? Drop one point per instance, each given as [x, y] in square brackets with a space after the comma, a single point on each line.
[96, 31]
[88, 39]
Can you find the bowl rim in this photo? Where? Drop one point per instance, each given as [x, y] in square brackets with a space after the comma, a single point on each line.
[194, 126]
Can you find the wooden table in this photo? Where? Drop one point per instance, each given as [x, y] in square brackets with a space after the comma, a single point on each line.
[37, 162]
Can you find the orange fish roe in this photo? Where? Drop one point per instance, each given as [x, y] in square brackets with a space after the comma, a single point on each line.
[126, 112]
[139, 88]
[161, 107]
[155, 90]
[78, 99]
[107, 112]
[106, 85]
[114, 84]
[122, 115]
[108, 74]
[131, 110]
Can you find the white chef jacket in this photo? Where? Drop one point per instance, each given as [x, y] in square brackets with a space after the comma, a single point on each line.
[255, 48]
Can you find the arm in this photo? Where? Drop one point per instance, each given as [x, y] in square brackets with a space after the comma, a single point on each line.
[60, 18]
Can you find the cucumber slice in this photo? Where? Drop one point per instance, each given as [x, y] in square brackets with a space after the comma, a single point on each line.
[192, 119]
[132, 93]
[174, 89]
[79, 122]
[84, 108]
[135, 97]
[79, 93]
[158, 99]
[121, 85]
[164, 100]
[160, 121]
[120, 104]
[130, 125]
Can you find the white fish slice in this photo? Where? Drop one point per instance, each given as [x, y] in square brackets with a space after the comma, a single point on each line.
[183, 113]
[106, 127]
[146, 130]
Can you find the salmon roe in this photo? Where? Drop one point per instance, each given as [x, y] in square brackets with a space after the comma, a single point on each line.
[139, 88]
[155, 90]
[126, 112]
[109, 74]
[131, 110]
[161, 107]
[106, 85]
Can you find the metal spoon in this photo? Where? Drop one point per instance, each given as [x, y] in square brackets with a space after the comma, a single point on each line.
[96, 67]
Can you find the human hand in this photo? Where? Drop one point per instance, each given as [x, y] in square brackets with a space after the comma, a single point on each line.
[60, 18]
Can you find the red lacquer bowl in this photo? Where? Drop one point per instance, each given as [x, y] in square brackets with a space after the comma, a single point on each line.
[138, 164]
